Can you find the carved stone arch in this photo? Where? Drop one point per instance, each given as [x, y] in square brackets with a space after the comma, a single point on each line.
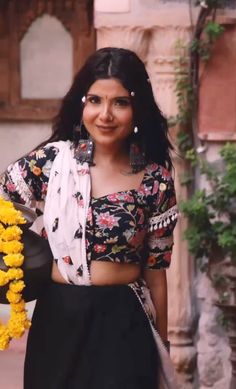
[29, 11]
[26, 23]
[16, 18]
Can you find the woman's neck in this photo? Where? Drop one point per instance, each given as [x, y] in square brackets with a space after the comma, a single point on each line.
[110, 156]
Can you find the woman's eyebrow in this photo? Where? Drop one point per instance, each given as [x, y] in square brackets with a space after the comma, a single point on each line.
[115, 97]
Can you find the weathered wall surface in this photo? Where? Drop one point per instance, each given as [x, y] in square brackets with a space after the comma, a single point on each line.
[214, 367]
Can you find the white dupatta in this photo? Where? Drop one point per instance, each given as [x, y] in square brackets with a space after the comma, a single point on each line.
[65, 213]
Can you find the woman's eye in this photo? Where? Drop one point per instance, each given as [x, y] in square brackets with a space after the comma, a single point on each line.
[122, 102]
[94, 99]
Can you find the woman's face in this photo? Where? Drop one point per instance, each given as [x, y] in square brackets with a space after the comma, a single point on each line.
[108, 113]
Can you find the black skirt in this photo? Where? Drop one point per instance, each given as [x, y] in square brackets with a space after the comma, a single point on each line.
[90, 337]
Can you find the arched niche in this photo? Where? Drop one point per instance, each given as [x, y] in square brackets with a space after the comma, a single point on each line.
[50, 27]
[46, 59]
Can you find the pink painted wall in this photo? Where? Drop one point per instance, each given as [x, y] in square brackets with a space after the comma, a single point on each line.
[217, 117]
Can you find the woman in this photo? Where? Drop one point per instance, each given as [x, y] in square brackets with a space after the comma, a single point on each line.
[109, 215]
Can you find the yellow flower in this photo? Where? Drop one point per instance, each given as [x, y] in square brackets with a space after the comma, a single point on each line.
[16, 330]
[18, 317]
[4, 279]
[13, 247]
[2, 229]
[11, 216]
[11, 233]
[5, 203]
[16, 324]
[4, 338]
[15, 274]
[15, 260]
[13, 297]
[18, 307]
[16, 286]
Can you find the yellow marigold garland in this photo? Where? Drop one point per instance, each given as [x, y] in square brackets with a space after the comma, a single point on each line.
[10, 245]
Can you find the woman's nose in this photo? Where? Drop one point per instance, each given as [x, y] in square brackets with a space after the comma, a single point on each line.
[106, 113]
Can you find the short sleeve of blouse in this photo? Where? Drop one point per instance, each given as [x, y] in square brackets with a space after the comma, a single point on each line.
[162, 222]
[25, 181]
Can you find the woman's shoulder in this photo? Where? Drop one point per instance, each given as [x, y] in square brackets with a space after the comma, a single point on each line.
[48, 151]
[40, 156]
[54, 146]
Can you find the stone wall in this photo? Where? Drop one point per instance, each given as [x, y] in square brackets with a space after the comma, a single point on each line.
[214, 367]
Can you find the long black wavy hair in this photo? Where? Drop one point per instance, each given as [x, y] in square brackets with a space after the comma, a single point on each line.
[125, 66]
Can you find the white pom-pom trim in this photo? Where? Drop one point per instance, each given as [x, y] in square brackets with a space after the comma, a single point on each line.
[164, 219]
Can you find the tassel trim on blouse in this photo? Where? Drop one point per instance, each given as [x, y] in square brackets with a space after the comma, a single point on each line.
[164, 219]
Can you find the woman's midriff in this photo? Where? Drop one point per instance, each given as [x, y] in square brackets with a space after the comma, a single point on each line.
[106, 273]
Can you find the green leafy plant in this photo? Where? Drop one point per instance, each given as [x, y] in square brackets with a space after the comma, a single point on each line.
[189, 56]
[211, 211]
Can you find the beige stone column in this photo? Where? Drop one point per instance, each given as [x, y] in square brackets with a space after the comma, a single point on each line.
[135, 38]
[182, 307]
[156, 47]
[161, 66]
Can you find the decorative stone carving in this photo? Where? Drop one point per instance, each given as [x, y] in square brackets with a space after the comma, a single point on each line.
[134, 38]
[161, 63]
[164, 39]
[30, 10]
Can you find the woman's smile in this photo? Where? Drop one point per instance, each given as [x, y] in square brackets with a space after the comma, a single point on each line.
[105, 128]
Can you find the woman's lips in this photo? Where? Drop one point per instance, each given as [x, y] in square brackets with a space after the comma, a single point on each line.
[105, 128]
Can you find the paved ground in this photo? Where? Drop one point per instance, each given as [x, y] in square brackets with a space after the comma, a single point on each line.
[11, 365]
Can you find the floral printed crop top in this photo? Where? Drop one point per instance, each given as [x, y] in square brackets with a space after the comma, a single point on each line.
[132, 226]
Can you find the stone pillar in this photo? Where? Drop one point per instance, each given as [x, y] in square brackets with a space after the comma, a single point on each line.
[135, 38]
[161, 66]
[182, 307]
[156, 47]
